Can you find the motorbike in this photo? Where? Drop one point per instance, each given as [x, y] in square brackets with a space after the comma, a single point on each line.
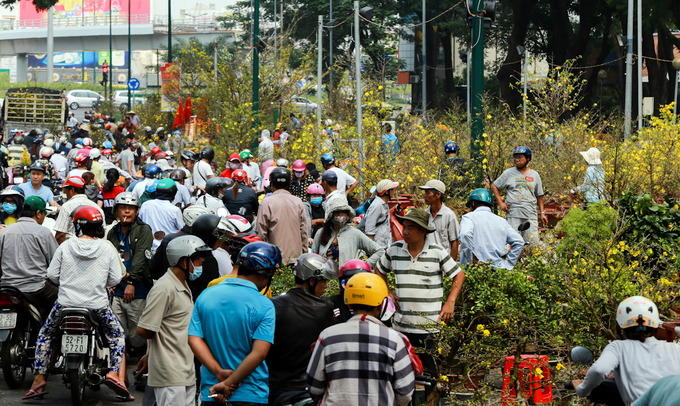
[294, 398]
[85, 351]
[20, 323]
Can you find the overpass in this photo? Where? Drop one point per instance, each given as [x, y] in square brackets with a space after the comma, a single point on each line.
[78, 34]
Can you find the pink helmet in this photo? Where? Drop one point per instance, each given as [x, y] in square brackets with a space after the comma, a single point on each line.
[299, 165]
[315, 189]
[353, 267]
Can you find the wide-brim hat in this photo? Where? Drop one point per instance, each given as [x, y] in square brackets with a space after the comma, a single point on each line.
[418, 216]
[592, 156]
[339, 203]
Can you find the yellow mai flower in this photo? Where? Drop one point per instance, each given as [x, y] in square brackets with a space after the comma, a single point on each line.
[487, 333]
[480, 327]
[538, 372]
[444, 378]
[559, 366]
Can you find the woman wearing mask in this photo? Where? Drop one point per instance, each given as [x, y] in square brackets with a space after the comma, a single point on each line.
[80, 289]
[233, 164]
[109, 191]
[300, 181]
[12, 203]
[314, 208]
[339, 240]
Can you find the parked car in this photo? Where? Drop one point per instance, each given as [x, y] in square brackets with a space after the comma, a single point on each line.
[82, 98]
[120, 98]
[303, 105]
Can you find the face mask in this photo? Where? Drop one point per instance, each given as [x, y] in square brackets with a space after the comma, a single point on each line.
[340, 221]
[198, 270]
[9, 208]
[233, 166]
[299, 175]
[317, 200]
[220, 196]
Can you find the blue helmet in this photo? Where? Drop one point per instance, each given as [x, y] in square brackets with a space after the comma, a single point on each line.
[327, 159]
[101, 121]
[79, 141]
[107, 145]
[153, 171]
[523, 151]
[450, 147]
[177, 132]
[151, 188]
[261, 258]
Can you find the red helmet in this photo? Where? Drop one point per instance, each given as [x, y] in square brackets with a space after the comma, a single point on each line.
[239, 175]
[107, 152]
[155, 150]
[353, 267]
[87, 215]
[82, 157]
[299, 165]
[160, 155]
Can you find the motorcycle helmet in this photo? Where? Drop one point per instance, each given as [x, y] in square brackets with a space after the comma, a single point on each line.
[204, 227]
[240, 176]
[185, 246]
[107, 145]
[87, 217]
[178, 175]
[239, 241]
[166, 189]
[639, 312]
[46, 152]
[127, 198]
[153, 171]
[214, 185]
[523, 151]
[240, 223]
[280, 178]
[82, 157]
[299, 165]
[450, 147]
[351, 268]
[259, 258]
[207, 153]
[315, 266]
[482, 196]
[327, 159]
[18, 140]
[95, 153]
[191, 213]
[366, 289]
[189, 155]
[282, 163]
[315, 189]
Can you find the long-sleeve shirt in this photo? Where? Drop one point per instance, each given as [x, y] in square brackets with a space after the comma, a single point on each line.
[593, 184]
[637, 366]
[281, 220]
[378, 222]
[350, 241]
[345, 370]
[83, 269]
[486, 236]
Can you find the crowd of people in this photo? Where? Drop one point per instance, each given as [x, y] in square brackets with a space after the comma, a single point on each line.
[188, 257]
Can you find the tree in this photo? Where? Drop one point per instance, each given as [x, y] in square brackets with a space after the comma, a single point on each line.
[40, 5]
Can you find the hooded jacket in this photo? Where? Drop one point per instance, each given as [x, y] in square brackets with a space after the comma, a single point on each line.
[265, 151]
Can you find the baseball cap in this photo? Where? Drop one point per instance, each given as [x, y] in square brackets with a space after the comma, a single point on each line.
[75, 181]
[385, 185]
[329, 176]
[35, 203]
[434, 184]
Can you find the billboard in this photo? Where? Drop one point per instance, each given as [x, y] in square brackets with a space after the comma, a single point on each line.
[80, 59]
[88, 8]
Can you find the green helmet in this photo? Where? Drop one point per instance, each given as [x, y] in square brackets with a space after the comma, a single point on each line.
[480, 195]
[244, 155]
[166, 187]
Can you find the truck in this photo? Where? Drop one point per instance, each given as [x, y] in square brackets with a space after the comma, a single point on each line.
[26, 108]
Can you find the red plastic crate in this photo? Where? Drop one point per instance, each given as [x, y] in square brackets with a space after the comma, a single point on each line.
[531, 385]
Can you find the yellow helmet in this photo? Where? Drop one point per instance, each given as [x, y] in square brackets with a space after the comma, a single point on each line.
[366, 289]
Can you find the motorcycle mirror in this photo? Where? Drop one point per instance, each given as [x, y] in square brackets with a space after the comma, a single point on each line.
[373, 189]
[524, 226]
[581, 355]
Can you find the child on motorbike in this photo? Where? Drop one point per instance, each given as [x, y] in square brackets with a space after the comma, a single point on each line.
[83, 268]
[638, 359]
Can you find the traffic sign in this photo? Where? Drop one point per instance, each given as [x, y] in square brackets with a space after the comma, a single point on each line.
[133, 84]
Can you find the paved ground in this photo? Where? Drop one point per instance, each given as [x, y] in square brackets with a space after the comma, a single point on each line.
[59, 395]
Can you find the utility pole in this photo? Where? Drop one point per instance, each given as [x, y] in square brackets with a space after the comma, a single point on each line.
[477, 80]
[330, 46]
[215, 62]
[169, 30]
[424, 49]
[319, 66]
[275, 36]
[111, 50]
[50, 44]
[359, 93]
[676, 65]
[129, 57]
[639, 62]
[629, 71]
[256, 61]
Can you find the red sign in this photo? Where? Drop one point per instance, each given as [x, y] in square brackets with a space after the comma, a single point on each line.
[529, 179]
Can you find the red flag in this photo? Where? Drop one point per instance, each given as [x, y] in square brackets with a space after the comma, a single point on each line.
[179, 117]
[187, 109]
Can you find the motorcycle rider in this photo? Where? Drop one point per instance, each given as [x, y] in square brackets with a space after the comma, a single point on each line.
[16, 152]
[301, 315]
[215, 189]
[153, 172]
[27, 249]
[83, 290]
[246, 202]
[345, 182]
[160, 214]
[188, 159]
[183, 194]
[237, 306]
[74, 188]
[165, 322]
[36, 187]
[343, 370]
[251, 168]
[485, 236]
[202, 169]
[12, 203]
[635, 358]
[300, 180]
[342, 312]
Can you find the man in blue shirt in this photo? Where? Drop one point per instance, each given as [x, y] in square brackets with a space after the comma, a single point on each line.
[35, 186]
[484, 236]
[232, 330]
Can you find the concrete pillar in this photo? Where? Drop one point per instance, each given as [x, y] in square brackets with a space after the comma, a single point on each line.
[22, 68]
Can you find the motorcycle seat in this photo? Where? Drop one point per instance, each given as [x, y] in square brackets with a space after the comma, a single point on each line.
[91, 317]
[17, 293]
[290, 397]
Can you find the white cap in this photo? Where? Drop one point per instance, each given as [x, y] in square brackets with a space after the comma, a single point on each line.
[434, 184]
[385, 185]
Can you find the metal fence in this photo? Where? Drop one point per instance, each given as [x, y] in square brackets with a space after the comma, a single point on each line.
[160, 23]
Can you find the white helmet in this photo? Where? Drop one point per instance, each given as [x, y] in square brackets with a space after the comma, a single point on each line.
[87, 142]
[282, 162]
[48, 143]
[170, 154]
[240, 223]
[46, 152]
[191, 213]
[159, 129]
[147, 129]
[63, 139]
[184, 246]
[94, 153]
[637, 311]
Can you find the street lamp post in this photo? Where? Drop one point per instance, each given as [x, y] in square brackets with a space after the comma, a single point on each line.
[110, 50]
[129, 56]
[169, 30]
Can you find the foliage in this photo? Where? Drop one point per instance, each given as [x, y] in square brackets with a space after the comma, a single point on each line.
[651, 220]
[589, 229]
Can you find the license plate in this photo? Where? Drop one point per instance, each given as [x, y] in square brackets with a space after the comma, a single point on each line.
[8, 321]
[74, 344]
[18, 181]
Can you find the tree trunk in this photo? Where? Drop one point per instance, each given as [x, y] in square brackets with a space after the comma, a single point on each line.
[653, 70]
[510, 72]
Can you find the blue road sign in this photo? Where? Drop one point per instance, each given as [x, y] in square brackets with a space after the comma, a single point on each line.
[133, 84]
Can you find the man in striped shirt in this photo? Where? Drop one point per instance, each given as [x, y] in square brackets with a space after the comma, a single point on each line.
[419, 267]
[361, 362]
